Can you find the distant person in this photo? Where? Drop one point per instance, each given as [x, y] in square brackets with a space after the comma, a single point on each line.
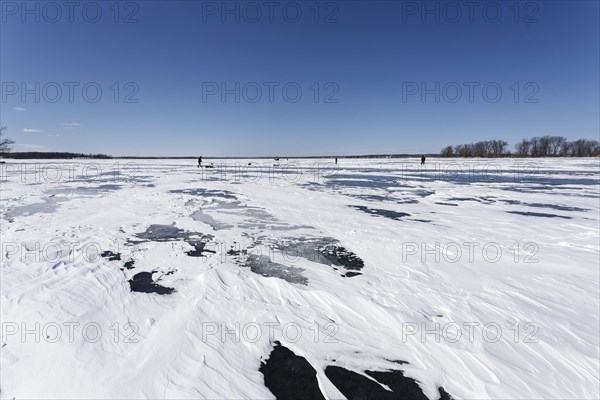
[336, 161]
[199, 161]
[422, 160]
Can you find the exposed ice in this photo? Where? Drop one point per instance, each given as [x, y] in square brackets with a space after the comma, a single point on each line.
[262, 265]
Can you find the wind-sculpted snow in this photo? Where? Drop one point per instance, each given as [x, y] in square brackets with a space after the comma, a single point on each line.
[158, 279]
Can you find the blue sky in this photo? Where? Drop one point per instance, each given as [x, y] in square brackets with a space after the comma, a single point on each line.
[361, 67]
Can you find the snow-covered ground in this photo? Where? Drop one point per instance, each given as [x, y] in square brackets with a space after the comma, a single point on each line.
[157, 279]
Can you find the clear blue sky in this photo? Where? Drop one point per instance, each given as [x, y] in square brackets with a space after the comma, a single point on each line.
[370, 56]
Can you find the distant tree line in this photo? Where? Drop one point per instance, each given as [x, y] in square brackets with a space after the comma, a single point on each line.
[50, 155]
[485, 148]
[544, 146]
[557, 146]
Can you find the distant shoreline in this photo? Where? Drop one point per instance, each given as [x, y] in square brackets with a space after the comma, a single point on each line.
[79, 156]
[64, 155]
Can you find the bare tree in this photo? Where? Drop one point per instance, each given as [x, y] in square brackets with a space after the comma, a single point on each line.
[584, 148]
[447, 151]
[578, 148]
[4, 143]
[522, 148]
[498, 147]
[545, 143]
[556, 143]
[464, 150]
[565, 149]
[534, 147]
[479, 149]
[458, 150]
[595, 148]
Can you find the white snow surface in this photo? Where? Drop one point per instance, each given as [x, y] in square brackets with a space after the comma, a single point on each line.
[543, 299]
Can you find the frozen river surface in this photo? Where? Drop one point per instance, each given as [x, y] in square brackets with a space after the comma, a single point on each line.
[300, 279]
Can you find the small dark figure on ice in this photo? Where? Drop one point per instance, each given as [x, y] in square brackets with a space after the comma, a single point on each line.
[422, 160]
[336, 161]
[199, 161]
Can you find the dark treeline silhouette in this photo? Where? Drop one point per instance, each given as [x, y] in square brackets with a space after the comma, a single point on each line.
[50, 155]
[544, 146]
[486, 148]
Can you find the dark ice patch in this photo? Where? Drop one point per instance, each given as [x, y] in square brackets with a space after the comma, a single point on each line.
[372, 197]
[424, 192]
[536, 214]
[483, 200]
[327, 251]
[167, 233]
[341, 257]
[199, 249]
[385, 188]
[543, 205]
[410, 201]
[223, 194]
[162, 233]
[117, 257]
[111, 256]
[368, 183]
[49, 206]
[444, 395]
[350, 274]
[378, 212]
[262, 265]
[401, 362]
[236, 252]
[357, 386]
[97, 189]
[446, 204]
[563, 190]
[289, 376]
[142, 282]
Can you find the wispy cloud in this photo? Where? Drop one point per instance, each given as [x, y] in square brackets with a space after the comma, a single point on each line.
[70, 125]
[29, 130]
[19, 109]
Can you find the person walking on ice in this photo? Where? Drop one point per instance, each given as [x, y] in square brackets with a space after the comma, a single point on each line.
[422, 160]
[199, 161]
